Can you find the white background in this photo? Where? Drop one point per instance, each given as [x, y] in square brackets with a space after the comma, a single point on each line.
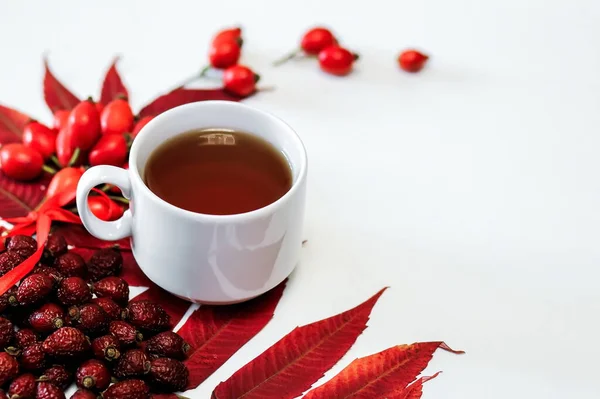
[471, 189]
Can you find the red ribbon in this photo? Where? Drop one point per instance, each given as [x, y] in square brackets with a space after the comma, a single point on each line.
[39, 222]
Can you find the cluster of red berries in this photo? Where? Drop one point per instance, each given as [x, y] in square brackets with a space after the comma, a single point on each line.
[334, 59]
[69, 320]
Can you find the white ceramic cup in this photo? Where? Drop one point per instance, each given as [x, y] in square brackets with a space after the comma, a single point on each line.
[209, 259]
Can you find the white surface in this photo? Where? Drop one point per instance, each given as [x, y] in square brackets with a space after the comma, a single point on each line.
[471, 189]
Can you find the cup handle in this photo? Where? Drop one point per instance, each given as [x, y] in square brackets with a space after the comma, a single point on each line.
[109, 231]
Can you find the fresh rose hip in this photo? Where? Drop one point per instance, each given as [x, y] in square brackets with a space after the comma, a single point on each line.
[84, 125]
[64, 180]
[240, 80]
[20, 162]
[312, 42]
[40, 138]
[117, 117]
[140, 124]
[231, 34]
[336, 60]
[412, 60]
[111, 149]
[224, 53]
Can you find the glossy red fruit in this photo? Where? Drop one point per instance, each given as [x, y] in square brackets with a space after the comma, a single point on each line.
[140, 124]
[71, 264]
[89, 318]
[106, 347]
[224, 53]
[20, 162]
[168, 375]
[8, 261]
[40, 138]
[168, 344]
[84, 394]
[111, 149]
[66, 343]
[34, 288]
[127, 334]
[23, 387]
[412, 60]
[64, 150]
[25, 337]
[316, 39]
[110, 307]
[33, 357]
[57, 375]
[7, 332]
[114, 288]
[117, 117]
[104, 208]
[133, 363]
[240, 80]
[92, 374]
[47, 318]
[22, 245]
[84, 125]
[64, 180]
[104, 263]
[336, 60]
[61, 118]
[47, 390]
[73, 291]
[231, 34]
[128, 389]
[9, 368]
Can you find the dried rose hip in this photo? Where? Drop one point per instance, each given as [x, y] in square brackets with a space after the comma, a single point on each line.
[33, 357]
[92, 374]
[133, 363]
[34, 288]
[125, 333]
[25, 337]
[9, 368]
[47, 390]
[48, 271]
[114, 288]
[106, 347]
[6, 332]
[8, 261]
[65, 343]
[113, 311]
[23, 387]
[168, 375]
[89, 318]
[84, 394]
[168, 344]
[104, 263]
[22, 245]
[148, 316]
[128, 389]
[47, 318]
[71, 265]
[73, 291]
[55, 247]
[58, 375]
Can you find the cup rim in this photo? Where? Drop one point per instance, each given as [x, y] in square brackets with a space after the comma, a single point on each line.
[264, 211]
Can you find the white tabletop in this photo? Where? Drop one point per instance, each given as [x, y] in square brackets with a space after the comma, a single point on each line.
[471, 189]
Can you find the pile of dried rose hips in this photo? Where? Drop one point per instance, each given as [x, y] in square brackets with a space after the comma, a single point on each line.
[71, 320]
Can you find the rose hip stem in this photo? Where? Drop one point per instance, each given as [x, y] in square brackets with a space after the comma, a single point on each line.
[74, 157]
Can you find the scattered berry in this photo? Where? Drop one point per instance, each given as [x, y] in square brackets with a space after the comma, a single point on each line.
[89, 318]
[7, 332]
[23, 387]
[47, 390]
[22, 245]
[48, 271]
[8, 261]
[128, 389]
[84, 394]
[33, 357]
[9, 368]
[231, 34]
[168, 344]
[412, 60]
[104, 263]
[116, 118]
[125, 333]
[133, 363]
[316, 39]
[240, 80]
[55, 247]
[58, 375]
[66, 342]
[73, 291]
[168, 375]
[114, 288]
[92, 374]
[106, 347]
[110, 307]
[34, 288]
[224, 53]
[140, 124]
[71, 265]
[336, 60]
[47, 318]
[25, 337]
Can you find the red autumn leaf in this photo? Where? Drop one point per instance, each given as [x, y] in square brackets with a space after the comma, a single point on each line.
[413, 391]
[19, 198]
[78, 236]
[183, 96]
[174, 306]
[215, 333]
[113, 85]
[376, 375]
[12, 123]
[296, 361]
[56, 95]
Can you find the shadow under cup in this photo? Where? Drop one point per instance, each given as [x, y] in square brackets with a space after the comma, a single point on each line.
[209, 259]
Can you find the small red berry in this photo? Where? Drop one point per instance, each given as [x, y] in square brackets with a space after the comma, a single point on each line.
[57, 375]
[84, 394]
[20, 162]
[232, 34]
[140, 124]
[41, 138]
[61, 117]
[92, 374]
[64, 149]
[6, 332]
[412, 60]
[148, 316]
[128, 389]
[65, 179]
[117, 117]
[34, 288]
[104, 263]
[240, 80]
[114, 288]
[125, 333]
[89, 318]
[71, 264]
[25, 337]
[55, 247]
[23, 387]
[168, 344]
[113, 311]
[316, 40]
[168, 375]
[336, 60]
[106, 347]
[23, 245]
[47, 318]
[133, 363]
[84, 125]
[224, 53]
[111, 149]
[33, 357]
[66, 343]
[73, 291]
[48, 271]
[8, 261]
[9, 368]
[47, 390]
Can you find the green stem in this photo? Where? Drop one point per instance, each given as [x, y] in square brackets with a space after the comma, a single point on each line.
[119, 199]
[286, 58]
[74, 157]
[55, 161]
[48, 169]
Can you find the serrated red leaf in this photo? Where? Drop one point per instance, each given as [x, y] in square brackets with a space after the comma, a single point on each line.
[78, 236]
[113, 85]
[57, 96]
[174, 306]
[184, 96]
[12, 123]
[19, 198]
[295, 362]
[377, 375]
[413, 391]
[215, 333]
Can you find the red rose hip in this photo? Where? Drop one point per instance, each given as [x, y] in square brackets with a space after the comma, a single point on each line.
[20, 162]
[336, 60]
